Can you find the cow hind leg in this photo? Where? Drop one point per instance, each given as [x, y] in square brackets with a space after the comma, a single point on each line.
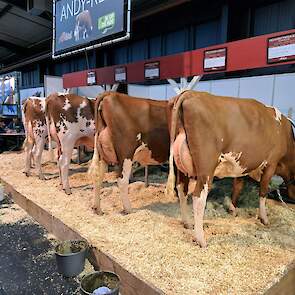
[38, 155]
[238, 184]
[199, 203]
[264, 183]
[123, 185]
[33, 157]
[28, 152]
[97, 182]
[64, 165]
[184, 208]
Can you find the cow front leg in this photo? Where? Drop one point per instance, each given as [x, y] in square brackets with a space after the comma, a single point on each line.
[184, 209]
[238, 184]
[264, 183]
[199, 203]
[123, 185]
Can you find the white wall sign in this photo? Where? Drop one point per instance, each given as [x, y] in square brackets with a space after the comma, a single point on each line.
[281, 48]
[215, 60]
[152, 70]
[120, 74]
[91, 78]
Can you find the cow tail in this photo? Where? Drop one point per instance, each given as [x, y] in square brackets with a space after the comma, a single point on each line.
[174, 118]
[24, 108]
[97, 167]
[50, 149]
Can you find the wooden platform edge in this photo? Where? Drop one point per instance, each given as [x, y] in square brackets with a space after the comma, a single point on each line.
[130, 284]
[286, 285]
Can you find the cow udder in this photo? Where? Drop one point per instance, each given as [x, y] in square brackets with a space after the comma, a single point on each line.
[106, 147]
[182, 155]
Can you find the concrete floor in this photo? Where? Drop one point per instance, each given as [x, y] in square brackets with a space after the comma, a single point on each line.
[27, 260]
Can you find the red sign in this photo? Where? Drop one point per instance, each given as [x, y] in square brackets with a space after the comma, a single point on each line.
[215, 60]
[281, 48]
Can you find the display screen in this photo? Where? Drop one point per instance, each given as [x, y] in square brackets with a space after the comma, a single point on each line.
[81, 22]
[8, 93]
[9, 110]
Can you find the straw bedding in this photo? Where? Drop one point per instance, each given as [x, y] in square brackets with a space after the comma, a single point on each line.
[243, 256]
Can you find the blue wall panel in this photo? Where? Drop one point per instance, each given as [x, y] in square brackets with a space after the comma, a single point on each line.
[176, 42]
[274, 17]
[207, 34]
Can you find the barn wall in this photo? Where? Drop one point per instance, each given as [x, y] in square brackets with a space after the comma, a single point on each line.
[271, 90]
[206, 23]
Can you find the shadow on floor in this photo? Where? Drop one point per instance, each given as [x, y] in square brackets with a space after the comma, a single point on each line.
[28, 262]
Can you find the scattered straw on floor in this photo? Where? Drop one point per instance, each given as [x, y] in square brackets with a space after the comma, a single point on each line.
[243, 256]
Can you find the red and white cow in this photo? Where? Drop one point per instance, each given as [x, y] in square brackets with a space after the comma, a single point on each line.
[228, 137]
[33, 113]
[128, 129]
[71, 123]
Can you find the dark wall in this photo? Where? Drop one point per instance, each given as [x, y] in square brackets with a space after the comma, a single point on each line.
[192, 25]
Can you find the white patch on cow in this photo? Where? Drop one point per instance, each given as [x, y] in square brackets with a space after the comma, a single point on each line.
[43, 104]
[138, 137]
[229, 165]
[256, 174]
[67, 104]
[143, 155]
[77, 129]
[83, 104]
[204, 192]
[199, 204]
[278, 114]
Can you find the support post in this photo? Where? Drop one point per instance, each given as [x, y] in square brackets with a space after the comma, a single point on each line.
[184, 85]
[113, 87]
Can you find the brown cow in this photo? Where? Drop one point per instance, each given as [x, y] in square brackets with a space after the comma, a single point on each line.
[83, 25]
[127, 129]
[71, 123]
[228, 137]
[33, 113]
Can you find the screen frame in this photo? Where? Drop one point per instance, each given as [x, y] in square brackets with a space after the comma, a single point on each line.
[10, 115]
[87, 46]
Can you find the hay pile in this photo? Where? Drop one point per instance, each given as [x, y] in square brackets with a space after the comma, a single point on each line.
[243, 256]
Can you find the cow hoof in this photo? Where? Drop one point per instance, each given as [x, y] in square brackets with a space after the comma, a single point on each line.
[202, 243]
[42, 177]
[68, 191]
[126, 212]
[264, 221]
[97, 211]
[188, 225]
[232, 210]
